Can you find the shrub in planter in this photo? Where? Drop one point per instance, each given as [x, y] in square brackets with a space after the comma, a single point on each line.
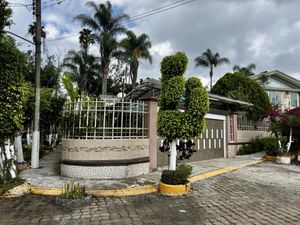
[175, 182]
[178, 176]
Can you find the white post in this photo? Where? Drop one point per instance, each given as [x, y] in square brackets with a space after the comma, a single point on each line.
[173, 155]
[288, 146]
[18, 147]
[28, 136]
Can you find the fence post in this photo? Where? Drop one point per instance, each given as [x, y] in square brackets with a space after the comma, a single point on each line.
[150, 124]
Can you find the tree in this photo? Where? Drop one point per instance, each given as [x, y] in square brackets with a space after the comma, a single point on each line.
[210, 60]
[50, 73]
[135, 48]
[247, 70]
[32, 31]
[86, 39]
[68, 85]
[83, 69]
[241, 87]
[172, 123]
[106, 27]
[5, 14]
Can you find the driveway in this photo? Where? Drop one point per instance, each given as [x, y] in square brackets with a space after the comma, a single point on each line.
[265, 193]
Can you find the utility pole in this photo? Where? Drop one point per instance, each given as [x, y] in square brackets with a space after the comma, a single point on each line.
[36, 125]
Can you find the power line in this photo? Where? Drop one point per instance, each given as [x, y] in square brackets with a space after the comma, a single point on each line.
[159, 11]
[140, 16]
[9, 32]
[153, 10]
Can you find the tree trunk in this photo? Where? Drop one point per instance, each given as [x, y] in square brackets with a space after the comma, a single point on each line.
[135, 75]
[173, 155]
[18, 147]
[211, 76]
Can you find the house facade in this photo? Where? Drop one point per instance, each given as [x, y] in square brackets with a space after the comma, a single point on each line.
[283, 90]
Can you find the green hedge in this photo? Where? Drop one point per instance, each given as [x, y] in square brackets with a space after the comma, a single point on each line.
[267, 144]
[178, 176]
[240, 87]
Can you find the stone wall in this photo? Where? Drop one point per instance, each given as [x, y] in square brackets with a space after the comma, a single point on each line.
[244, 136]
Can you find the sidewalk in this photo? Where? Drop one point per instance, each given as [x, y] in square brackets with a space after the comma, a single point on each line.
[46, 179]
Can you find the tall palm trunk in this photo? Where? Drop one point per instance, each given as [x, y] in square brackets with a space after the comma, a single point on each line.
[135, 74]
[211, 76]
[104, 73]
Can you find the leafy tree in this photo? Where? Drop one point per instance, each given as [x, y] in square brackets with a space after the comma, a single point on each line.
[135, 48]
[50, 73]
[12, 69]
[240, 87]
[68, 85]
[51, 112]
[5, 14]
[106, 27]
[247, 70]
[210, 60]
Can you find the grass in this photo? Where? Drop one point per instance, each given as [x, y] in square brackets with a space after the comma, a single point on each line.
[73, 191]
[6, 186]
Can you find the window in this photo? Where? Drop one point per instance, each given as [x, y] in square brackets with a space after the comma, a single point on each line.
[294, 99]
[275, 97]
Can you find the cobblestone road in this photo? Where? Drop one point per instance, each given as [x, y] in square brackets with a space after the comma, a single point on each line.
[262, 194]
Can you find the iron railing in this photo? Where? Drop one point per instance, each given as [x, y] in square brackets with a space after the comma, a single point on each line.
[104, 119]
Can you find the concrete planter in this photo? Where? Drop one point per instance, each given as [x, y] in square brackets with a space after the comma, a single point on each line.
[72, 202]
[284, 160]
[270, 158]
[174, 190]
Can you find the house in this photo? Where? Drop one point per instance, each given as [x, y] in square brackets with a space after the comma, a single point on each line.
[283, 90]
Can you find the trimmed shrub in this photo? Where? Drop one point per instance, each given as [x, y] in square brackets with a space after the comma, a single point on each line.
[173, 65]
[178, 176]
[172, 123]
[267, 144]
[240, 87]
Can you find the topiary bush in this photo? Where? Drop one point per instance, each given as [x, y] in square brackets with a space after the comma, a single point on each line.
[174, 123]
[178, 176]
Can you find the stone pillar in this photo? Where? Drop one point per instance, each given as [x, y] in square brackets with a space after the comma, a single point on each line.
[150, 123]
[232, 146]
[235, 128]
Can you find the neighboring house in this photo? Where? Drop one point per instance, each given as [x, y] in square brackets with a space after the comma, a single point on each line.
[283, 90]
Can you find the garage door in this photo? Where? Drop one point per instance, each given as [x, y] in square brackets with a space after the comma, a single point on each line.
[210, 145]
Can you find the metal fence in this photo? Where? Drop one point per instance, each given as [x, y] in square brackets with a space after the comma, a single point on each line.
[245, 124]
[104, 119]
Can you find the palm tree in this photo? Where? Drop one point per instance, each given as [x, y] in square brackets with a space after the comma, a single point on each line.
[248, 70]
[210, 60]
[32, 29]
[106, 27]
[86, 38]
[135, 48]
[83, 69]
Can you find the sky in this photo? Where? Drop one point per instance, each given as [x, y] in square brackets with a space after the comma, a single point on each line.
[264, 32]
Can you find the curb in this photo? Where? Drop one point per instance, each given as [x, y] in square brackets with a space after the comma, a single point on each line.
[146, 189]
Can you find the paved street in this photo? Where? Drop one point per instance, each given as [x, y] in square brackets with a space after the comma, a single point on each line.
[265, 193]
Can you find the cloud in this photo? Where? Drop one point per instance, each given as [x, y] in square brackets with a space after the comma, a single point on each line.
[264, 32]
